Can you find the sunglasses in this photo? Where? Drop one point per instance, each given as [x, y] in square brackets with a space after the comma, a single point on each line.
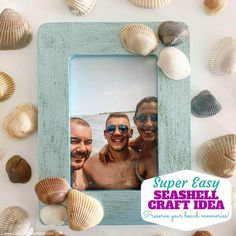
[121, 128]
[142, 117]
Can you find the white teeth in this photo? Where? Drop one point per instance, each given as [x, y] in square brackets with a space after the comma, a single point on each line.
[148, 131]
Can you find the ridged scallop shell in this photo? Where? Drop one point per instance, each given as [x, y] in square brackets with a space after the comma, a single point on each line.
[150, 4]
[174, 63]
[53, 215]
[83, 211]
[22, 121]
[202, 233]
[172, 33]
[15, 31]
[138, 39]
[18, 170]
[52, 190]
[217, 156]
[222, 58]
[80, 7]
[213, 7]
[7, 86]
[205, 105]
[53, 233]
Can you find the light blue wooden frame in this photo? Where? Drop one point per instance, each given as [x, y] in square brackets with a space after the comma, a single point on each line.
[57, 44]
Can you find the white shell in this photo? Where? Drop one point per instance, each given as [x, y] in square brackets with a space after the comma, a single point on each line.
[80, 7]
[222, 58]
[213, 7]
[174, 63]
[150, 4]
[138, 39]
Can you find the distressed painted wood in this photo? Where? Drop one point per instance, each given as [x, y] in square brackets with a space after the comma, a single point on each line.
[57, 44]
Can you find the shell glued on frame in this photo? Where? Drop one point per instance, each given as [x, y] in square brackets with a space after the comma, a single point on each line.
[213, 7]
[217, 156]
[80, 7]
[150, 4]
[138, 39]
[7, 86]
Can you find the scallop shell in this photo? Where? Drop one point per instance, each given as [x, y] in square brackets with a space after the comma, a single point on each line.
[15, 31]
[174, 63]
[22, 121]
[18, 170]
[150, 4]
[205, 105]
[138, 39]
[52, 190]
[222, 58]
[172, 33]
[80, 7]
[217, 156]
[202, 233]
[53, 215]
[7, 86]
[83, 211]
[213, 7]
[53, 233]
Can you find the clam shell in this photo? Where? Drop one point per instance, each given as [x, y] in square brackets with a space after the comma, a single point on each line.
[202, 233]
[53, 233]
[172, 33]
[7, 86]
[83, 211]
[18, 170]
[53, 214]
[21, 122]
[205, 105]
[217, 156]
[138, 39]
[15, 31]
[213, 7]
[174, 64]
[150, 4]
[52, 190]
[222, 57]
[80, 7]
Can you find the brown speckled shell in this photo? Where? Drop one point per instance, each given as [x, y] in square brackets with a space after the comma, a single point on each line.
[7, 86]
[213, 7]
[53, 233]
[202, 233]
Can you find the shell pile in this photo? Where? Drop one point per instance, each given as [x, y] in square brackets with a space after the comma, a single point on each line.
[80, 7]
[202, 233]
[217, 156]
[150, 4]
[15, 31]
[7, 86]
[213, 7]
[53, 233]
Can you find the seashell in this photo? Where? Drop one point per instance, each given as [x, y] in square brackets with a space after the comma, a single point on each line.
[213, 7]
[217, 156]
[15, 31]
[83, 211]
[138, 39]
[80, 7]
[172, 33]
[150, 4]
[53, 233]
[222, 58]
[7, 86]
[174, 64]
[202, 233]
[205, 105]
[18, 170]
[53, 214]
[52, 190]
[22, 121]
[23, 228]
[233, 197]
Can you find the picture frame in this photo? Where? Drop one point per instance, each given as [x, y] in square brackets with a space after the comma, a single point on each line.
[58, 43]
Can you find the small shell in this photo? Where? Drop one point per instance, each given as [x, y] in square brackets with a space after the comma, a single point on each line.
[222, 58]
[83, 211]
[217, 156]
[80, 7]
[52, 190]
[53, 233]
[138, 39]
[174, 64]
[53, 215]
[213, 7]
[202, 233]
[15, 31]
[150, 4]
[22, 121]
[18, 170]
[24, 228]
[7, 86]
[172, 33]
[205, 105]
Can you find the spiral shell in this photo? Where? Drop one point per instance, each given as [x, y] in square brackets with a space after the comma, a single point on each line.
[138, 39]
[213, 7]
[15, 31]
[22, 121]
[83, 211]
[7, 86]
[217, 156]
[80, 7]
[18, 170]
[53, 233]
[150, 4]
[202, 233]
[52, 190]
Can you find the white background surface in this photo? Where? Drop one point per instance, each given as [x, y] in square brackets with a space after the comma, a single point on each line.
[22, 66]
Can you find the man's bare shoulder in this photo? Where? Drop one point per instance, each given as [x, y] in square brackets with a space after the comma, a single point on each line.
[133, 154]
